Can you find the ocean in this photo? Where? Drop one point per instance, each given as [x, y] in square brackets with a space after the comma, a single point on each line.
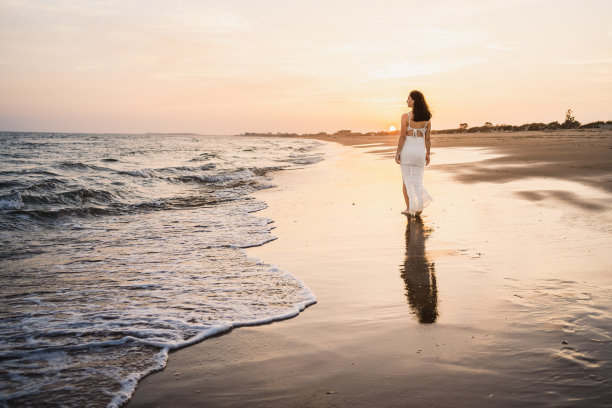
[116, 249]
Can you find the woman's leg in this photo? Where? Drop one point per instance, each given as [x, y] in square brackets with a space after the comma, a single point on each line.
[405, 198]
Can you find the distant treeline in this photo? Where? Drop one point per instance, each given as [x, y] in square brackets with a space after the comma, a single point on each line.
[570, 123]
[340, 133]
[463, 128]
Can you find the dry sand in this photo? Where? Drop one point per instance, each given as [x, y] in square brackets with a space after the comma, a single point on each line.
[499, 296]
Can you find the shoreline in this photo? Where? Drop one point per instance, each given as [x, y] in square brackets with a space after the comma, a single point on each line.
[365, 342]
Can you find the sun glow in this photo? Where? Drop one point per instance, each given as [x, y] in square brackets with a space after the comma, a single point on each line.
[392, 128]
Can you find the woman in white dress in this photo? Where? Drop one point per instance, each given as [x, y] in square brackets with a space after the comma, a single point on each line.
[413, 153]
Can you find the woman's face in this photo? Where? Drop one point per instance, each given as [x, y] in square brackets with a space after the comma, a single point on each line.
[410, 102]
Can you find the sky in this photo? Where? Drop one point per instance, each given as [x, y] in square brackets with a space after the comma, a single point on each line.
[212, 67]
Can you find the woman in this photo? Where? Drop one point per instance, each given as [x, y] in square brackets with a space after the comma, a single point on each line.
[413, 153]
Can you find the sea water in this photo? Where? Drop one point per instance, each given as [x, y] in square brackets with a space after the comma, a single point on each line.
[116, 249]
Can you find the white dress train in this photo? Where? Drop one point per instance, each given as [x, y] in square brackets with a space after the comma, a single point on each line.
[412, 163]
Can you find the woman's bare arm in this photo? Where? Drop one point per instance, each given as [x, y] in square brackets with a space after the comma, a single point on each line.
[402, 138]
[427, 143]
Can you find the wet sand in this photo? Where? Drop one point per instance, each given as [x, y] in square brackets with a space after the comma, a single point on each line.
[578, 155]
[500, 295]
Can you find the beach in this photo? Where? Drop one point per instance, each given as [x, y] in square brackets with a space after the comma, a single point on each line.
[499, 295]
[200, 206]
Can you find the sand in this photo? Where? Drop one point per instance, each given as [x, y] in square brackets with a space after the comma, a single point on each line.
[500, 295]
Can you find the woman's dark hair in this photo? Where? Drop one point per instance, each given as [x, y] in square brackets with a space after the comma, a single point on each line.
[420, 110]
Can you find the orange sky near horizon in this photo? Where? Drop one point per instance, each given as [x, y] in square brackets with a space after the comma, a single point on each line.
[237, 66]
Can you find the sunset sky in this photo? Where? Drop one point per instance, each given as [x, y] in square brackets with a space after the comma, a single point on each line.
[300, 66]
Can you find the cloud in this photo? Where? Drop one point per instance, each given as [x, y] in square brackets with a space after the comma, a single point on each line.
[505, 46]
[91, 67]
[412, 69]
[587, 61]
[128, 16]
[372, 101]
[209, 21]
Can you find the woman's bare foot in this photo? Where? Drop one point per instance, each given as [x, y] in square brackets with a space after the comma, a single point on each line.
[405, 212]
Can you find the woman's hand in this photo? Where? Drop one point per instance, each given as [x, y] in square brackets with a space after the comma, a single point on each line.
[397, 158]
[426, 159]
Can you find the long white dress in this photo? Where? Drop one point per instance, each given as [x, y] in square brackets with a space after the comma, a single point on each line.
[412, 163]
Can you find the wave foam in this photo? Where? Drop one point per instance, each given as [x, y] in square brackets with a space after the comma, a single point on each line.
[11, 201]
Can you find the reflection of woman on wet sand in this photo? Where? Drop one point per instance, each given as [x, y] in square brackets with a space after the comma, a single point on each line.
[419, 274]
[413, 152]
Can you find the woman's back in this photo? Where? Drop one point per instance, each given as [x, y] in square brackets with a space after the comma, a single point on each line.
[416, 128]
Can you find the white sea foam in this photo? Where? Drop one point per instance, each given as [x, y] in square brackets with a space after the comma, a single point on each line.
[146, 173]
[11, 201]
[92, 304]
